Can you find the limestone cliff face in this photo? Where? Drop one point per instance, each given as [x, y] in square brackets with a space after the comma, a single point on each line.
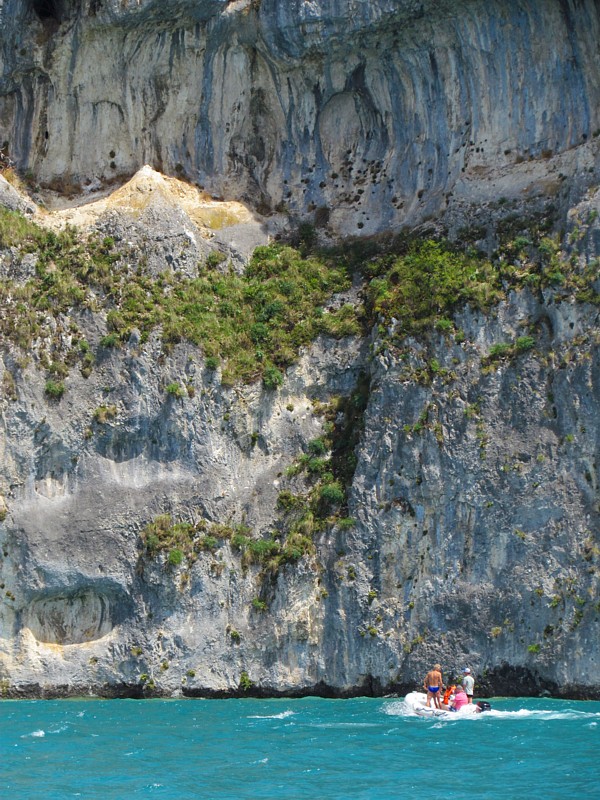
[376, 114]
[468, 523]
[475, 496]
[475, 504]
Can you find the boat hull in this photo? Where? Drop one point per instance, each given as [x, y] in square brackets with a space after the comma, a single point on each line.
[417, 703]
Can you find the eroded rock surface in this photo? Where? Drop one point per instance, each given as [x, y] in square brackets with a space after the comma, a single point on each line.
[367, 115]
[473, 535]
[474, 500]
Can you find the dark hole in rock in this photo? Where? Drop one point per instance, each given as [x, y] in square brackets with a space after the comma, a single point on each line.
[48, 9]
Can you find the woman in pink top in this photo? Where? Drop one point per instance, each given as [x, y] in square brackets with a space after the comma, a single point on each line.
[460, 699]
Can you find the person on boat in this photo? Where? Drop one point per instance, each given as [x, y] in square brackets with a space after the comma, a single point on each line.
[433, 685]
[447, 694]
[460, 700]
[468, 683]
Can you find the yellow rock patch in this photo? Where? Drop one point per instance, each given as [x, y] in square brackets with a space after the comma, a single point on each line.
[148, 187]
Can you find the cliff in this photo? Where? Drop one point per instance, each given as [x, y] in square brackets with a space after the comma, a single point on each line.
[363, 115]
[299, 471]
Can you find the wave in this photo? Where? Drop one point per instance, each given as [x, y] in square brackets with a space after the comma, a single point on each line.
[37, 734]
[343, 725]
[401, 709]
[524, 713]
[281, 715]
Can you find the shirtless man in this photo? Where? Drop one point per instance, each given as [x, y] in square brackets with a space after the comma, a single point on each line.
[433, 685]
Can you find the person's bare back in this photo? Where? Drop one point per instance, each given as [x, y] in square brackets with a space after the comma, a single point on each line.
[433, 684]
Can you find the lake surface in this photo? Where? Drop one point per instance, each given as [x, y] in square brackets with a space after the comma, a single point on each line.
[368, 749]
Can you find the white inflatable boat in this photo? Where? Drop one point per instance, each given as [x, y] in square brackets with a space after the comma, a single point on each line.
[417, 703]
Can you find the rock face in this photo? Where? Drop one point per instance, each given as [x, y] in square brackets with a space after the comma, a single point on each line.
[368, 115]
[470, 522]
[474, 501]
[473, 534]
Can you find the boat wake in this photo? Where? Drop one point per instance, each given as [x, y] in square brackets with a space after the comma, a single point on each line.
[408, 708]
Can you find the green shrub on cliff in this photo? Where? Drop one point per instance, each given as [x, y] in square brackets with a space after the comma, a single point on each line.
[55, 389]
[331, 495]
[182, 540]
[272, 378]
[504, 350]
[163, 534]
[175, 557]
[245, 682]
[428, 282]
[104, 413]
[253, 325]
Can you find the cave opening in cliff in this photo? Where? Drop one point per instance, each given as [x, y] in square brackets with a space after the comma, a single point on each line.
[47, 9]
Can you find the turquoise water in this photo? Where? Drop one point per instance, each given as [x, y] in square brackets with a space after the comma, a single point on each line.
[369, 749]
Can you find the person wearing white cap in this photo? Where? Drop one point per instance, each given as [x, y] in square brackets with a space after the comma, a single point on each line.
[468, 684]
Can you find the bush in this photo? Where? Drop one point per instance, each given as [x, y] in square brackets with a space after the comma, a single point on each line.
[111, 340]
[175, 390]
[245, 683]
[272, 378]
[259, 333]
[316, 466]
[115, 322]
[103, 413]
[214, 258]
[208, 543]
[521, 242]
[58, 369]
[175, 557]
[152, 543]
[286, 500]
[318, 447]
[499, 350]
[164, 534]
[55, 389]
[332, 494]
[524, 343]
[240, 541]
[262, 549]
[444, 325]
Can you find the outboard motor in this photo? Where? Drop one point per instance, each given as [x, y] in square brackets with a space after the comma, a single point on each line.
[483, 705]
